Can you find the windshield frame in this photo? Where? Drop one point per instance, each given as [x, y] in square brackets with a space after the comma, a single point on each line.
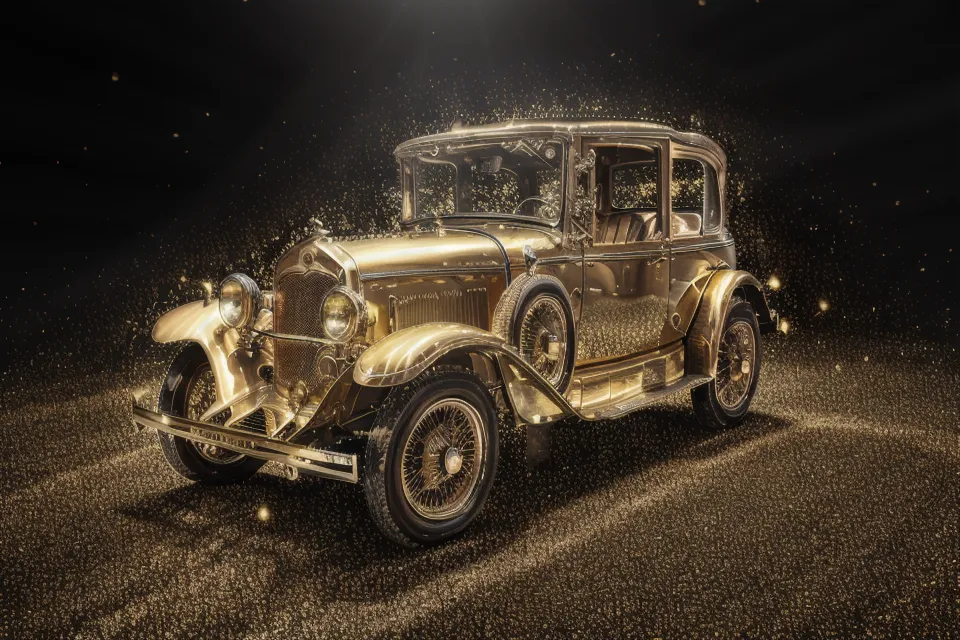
[408, 185]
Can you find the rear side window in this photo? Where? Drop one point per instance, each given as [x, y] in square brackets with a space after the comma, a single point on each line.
[635, 185]
[694, 198]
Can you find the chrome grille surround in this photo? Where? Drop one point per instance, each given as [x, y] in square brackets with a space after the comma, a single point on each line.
[298, 298]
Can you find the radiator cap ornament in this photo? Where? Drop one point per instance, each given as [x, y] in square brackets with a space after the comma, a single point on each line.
[318, 229]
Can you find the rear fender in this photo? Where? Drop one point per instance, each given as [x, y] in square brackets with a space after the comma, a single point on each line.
[714, 304]
[404, 355]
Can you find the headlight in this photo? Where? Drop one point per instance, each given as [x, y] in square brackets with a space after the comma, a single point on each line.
[342, 312]
[240, 300]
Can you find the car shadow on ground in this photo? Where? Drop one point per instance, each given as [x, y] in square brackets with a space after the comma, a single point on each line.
[315, 527]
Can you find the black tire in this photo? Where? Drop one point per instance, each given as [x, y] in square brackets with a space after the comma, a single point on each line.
[710, 411]
[523, 294]
[396, 420]
[183, 455]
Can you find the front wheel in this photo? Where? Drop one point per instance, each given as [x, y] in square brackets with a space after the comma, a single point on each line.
[431, 457]
[188, 391]
[724, 401]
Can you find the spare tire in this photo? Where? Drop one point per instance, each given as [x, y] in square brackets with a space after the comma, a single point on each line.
[535, 317]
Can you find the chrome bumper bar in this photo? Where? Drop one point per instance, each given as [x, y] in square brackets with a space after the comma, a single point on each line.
[329, 464]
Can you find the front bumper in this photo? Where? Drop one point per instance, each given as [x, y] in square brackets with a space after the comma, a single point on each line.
[329, 464]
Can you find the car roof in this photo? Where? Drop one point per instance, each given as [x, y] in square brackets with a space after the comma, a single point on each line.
[571, 127]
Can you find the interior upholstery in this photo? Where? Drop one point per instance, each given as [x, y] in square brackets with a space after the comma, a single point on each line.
[685, 224]
[631, 226]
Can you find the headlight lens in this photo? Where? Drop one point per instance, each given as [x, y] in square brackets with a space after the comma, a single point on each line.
[240, 300]
[341, 312]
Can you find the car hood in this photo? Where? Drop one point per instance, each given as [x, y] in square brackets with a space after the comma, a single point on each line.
[451, 249]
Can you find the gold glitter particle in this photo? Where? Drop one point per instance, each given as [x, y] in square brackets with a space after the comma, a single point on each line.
[824, 305]
[774, 283]
[263, 513]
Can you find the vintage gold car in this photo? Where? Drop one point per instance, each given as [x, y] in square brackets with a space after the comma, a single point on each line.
[544, 269]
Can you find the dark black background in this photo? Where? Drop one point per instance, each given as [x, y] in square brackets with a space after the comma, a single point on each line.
[840, 119]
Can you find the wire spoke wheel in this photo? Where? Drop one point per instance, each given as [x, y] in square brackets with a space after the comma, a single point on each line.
[443, 459]
[736, 364]
[543, 338]
[200, 396]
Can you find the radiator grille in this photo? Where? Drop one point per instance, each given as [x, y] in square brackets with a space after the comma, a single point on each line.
[256, 421]
[297, 311]
[469, 306]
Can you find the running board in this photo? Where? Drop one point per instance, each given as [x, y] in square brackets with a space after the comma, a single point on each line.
[623, 408]
[329, 464]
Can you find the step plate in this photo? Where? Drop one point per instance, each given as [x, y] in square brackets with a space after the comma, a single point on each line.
[623, 408]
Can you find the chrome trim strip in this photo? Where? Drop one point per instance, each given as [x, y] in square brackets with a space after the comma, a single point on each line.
[713, 244]
[438, 271]
[646, 253]
[626, 255]
[315, 461]
[560, 259]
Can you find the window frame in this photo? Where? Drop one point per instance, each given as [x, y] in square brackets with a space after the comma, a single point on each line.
[408, 171]
[680, 151]
[660, 145]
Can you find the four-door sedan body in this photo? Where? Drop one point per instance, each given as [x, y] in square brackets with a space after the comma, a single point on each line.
[545, 269]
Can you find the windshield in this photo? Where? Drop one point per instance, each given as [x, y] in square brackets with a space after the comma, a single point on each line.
[520, 177]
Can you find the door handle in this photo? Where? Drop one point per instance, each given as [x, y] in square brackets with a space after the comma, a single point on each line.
[650, 263]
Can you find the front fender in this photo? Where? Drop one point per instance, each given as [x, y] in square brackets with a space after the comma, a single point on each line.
[235, 370]
[714, 304]
[404, 355]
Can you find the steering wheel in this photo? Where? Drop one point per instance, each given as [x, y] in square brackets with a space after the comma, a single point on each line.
[538, 199]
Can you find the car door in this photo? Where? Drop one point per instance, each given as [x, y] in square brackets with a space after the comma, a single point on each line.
[626, 265]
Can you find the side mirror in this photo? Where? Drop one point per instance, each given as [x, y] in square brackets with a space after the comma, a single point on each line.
[529, 259]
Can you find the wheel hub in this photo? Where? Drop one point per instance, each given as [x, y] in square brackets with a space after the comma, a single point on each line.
[443, 459]
[453, 461]
[735, 365]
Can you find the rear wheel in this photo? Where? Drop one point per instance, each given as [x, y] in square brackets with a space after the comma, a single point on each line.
[431, 457]
[725, 400]
[189, 390]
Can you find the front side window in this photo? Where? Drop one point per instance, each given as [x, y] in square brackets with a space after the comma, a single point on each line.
[520, 177]
[694, 198]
